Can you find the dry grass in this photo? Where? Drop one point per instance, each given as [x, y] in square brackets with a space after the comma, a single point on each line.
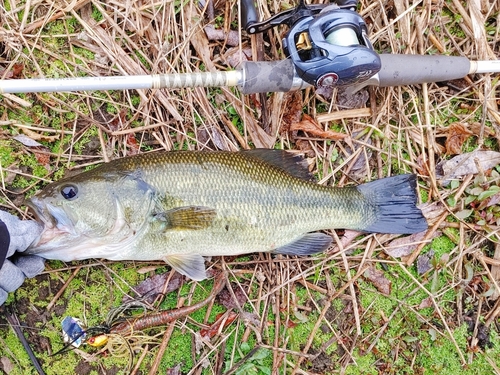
[399, 130]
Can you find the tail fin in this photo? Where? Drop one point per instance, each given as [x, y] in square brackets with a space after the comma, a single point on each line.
[394, 200]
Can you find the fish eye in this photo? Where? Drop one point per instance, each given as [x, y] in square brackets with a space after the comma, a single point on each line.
[69, 192]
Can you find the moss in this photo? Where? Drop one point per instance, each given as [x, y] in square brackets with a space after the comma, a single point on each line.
[365, 364]
[442, 245]
[7, 153]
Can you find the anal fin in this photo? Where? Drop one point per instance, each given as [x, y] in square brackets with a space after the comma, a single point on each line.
[190, 265]
[310, 243]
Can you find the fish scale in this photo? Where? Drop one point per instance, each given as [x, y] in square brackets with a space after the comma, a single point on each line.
[181, 206]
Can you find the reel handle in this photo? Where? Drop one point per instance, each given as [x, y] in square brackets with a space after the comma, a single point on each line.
[249, 15]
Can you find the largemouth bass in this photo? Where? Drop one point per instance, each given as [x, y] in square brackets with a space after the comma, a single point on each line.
[181, 206]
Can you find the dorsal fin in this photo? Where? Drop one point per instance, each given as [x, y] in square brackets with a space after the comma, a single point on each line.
[292, 164]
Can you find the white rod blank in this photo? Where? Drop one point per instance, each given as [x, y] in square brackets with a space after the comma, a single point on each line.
[492, 66]
[156, 81]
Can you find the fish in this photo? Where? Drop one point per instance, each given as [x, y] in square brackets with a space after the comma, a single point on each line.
[182, 206]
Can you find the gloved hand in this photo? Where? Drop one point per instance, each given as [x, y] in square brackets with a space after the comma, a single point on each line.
[16, 267]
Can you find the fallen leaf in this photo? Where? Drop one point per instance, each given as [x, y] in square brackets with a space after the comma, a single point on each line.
[432, 210]
[346, 99]
[311, 127]
[422, 166]
[117, 122]
[221, 322]
[40, 137]
[15, 72]
[305, 147]
[426, 302]
[133, 145]
[402, 247]
[424, 262]
[43, 159]
[27, 141]
[7, 365]
[465, 164]
[155, 284]
[292, 103]
[358, 169]
[377, 278]
[346, 239]
[475, 128]
[174, 370]
[457, 135]
[211, 136]
[226, 299]
[464, 214]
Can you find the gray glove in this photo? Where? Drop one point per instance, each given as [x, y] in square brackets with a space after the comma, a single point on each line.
[22, 234]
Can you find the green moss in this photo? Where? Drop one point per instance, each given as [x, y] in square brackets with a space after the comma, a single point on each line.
[365, 364]
[442, 245]
[7, 153]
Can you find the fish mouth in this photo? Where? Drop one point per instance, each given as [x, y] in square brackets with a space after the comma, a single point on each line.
[56, 222]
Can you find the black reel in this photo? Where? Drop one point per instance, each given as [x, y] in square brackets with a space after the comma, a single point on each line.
[328, 45]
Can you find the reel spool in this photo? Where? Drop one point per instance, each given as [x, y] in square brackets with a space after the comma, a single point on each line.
[332, 49]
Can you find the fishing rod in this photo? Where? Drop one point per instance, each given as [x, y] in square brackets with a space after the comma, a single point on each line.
[326, 46]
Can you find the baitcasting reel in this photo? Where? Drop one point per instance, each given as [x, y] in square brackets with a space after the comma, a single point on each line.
[328, 45]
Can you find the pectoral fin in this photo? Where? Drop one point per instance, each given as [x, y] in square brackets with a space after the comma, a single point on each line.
[190, 265]
[310, 243]
[189, 217]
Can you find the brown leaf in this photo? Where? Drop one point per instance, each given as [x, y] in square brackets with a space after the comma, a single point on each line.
[305, 147]
[377, 278]
[155, 284]
[221, 322]
[15, 72]
[311, 127]
[475, 128]
[43, 159]
[424, 262]
[133, 145]
[457, 135]
[401, 247]
[17, 69]
[117, 122]
[174, 370]
[465, 164]
[422, 166]
[346, 99]
[226, 299]
[426, 302]
[7, 365]
[293, 110]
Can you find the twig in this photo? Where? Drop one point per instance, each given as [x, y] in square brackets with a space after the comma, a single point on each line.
[15, 325]
[164, 343]
[43, 21]
[438, 310]
[63, 288]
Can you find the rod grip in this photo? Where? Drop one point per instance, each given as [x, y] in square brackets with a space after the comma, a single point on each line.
[267, 76]
[401, 70]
